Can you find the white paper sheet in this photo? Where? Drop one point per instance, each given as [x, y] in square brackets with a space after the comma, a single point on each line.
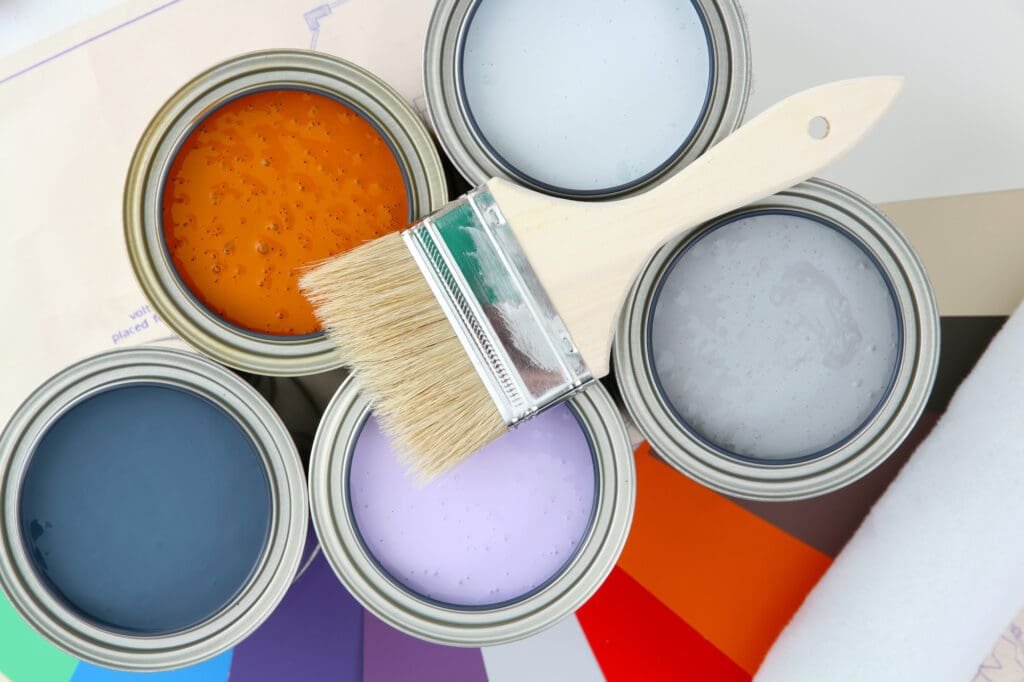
[956, 127]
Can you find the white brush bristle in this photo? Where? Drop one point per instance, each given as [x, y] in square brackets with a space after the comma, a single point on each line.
[392, 333]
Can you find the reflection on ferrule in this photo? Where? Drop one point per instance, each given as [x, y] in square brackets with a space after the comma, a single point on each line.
[497, 307]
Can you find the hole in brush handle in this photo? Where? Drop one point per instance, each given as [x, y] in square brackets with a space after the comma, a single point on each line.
[818, 127]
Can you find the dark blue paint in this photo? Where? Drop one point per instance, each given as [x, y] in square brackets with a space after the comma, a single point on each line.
[146, 508]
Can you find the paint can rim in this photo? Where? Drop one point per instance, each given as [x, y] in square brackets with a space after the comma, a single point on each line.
[343, 81]
[78, 635]
[854, 457]
[724, 110]
[472, 626]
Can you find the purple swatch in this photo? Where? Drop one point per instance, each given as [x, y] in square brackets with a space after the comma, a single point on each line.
[393, 656]
[315, 634]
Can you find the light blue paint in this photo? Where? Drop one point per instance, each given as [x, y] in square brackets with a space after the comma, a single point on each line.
[586, 96]
[146, 507]
[214, 670]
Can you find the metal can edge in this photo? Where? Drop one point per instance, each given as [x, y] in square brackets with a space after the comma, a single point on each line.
[416, 151]
[377, 592]
[724, 112]
[264, 589]
[877, 440]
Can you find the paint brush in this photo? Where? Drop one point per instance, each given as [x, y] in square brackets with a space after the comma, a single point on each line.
[503, 303]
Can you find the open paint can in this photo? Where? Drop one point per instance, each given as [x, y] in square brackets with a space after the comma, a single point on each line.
[584, 98]
[783, 350]
[251, 172]
[503, 545]
[154, 509]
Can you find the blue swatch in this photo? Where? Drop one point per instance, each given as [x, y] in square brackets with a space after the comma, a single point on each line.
[214, 670]
[146, 508]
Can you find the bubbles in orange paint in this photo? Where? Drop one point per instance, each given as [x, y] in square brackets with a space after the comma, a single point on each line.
[240, 175]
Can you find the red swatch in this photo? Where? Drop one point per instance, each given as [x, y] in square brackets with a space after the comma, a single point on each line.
[636, 637]
[732, 576]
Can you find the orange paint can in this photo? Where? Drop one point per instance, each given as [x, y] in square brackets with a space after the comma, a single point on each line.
[251, 172]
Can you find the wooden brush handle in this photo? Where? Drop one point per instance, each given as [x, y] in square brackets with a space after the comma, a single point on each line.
[587, 254]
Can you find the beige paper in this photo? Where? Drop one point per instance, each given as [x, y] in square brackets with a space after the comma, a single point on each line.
[972, 247]
[71, 110]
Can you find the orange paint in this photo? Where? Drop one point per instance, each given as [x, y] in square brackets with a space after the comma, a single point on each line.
[267, 184]
[732, 576]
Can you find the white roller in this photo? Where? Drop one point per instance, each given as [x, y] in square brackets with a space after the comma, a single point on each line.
[936, 571]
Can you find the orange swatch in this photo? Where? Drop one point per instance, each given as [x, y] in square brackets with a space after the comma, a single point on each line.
[732, 576]
[267, 184]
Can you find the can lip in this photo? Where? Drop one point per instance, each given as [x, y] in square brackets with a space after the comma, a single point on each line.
[265, 588]
[723, 112]
[877, 438]
[578, 580]
[342, 80]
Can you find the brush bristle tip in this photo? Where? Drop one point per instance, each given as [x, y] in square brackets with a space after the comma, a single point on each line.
[390, 330]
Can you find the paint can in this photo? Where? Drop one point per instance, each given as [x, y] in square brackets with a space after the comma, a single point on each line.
[376, 105]
[589, 102]
[783, 368]
[417, 594]
[124, 542]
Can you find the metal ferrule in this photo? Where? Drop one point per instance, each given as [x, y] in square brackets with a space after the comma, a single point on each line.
[507, 324]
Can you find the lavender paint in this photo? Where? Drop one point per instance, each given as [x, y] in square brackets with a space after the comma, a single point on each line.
[493, 529]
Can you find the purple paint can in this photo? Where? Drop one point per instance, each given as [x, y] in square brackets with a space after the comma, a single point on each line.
[502, 546]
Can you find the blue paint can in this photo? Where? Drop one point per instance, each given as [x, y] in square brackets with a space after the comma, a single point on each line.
[154, 509]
